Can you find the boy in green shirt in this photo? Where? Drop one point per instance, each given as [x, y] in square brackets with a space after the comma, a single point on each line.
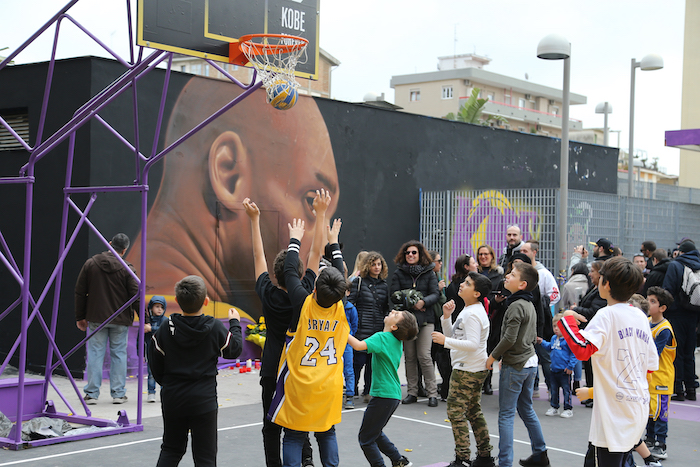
[386, 349]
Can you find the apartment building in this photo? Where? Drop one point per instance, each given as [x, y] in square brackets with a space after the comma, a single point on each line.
[528, 107]
[320, 88]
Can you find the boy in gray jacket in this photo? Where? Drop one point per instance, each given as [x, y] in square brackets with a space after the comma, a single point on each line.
[516, 350]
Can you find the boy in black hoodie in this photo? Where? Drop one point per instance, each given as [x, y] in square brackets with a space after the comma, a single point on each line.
[183, 360]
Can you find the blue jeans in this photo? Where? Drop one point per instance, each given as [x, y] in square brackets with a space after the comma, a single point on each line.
[348, 371]
[515, 392]
[545, 361]
[372, 439]
[151, 380]
[294, 441]
[96, 347]
[561, 380]
[578, 369]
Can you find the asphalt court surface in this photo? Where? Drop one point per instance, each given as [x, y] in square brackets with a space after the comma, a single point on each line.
[421, 433]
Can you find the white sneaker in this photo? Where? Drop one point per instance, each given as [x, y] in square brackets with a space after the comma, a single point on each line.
[151, 398]
[568, 413]
[536, 394]
[552, 412]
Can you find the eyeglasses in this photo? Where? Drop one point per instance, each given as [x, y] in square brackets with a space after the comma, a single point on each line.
[411, 252]
[438, 260]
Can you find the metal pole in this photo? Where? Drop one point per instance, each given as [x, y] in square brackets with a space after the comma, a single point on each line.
[605, 124]
[630, 154]
[564, 172]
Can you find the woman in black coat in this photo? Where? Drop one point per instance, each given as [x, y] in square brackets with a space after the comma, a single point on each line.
[369, 293]
[415, 271]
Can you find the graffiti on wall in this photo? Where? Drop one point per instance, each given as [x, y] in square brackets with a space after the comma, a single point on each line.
[485, 219]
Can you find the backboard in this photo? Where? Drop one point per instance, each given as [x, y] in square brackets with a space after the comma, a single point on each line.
[204, 28]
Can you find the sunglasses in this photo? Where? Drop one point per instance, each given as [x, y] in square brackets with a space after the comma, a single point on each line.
[411, 252]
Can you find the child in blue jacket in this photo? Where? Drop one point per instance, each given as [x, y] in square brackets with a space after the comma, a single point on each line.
[563, 363]
[155, 314]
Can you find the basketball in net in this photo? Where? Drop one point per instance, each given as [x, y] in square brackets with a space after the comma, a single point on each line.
[276, 56]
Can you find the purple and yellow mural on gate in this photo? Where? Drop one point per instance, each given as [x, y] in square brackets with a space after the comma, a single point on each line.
[485, 219]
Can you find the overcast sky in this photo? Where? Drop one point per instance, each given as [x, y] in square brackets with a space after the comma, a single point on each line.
[375, 40]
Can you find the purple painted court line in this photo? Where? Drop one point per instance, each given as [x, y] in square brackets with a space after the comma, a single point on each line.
[689, 411]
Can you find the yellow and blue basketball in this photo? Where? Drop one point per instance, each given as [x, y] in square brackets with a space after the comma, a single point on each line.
[283, 95]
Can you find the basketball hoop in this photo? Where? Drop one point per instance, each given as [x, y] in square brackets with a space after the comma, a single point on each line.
[274, 55]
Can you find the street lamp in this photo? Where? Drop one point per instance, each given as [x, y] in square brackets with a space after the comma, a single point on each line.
[556, 47]
[604, 108]
[648, 63]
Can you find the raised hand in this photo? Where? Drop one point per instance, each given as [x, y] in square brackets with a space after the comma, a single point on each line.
[321, 201]
[251, 209]
[448, 308]
[334, 232]
[296, 229]
[233, 314]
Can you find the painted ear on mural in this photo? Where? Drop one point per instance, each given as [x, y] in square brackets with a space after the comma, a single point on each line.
[229, 170]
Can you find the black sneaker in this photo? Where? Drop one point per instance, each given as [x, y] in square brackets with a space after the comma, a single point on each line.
[536, 460]
[403, 462]
[409, 399]
[308, 462]
[486, 461]
[461, 463]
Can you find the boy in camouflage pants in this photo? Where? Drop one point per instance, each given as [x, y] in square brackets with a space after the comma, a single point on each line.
[466, 338]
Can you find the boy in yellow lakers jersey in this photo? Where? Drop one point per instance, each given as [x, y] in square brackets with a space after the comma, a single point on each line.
[660, 381]
[309, 391]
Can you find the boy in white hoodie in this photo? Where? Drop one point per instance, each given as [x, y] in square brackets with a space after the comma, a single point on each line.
[466, 338]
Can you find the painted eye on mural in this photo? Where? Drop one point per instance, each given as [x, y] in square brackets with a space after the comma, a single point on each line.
[308, 201]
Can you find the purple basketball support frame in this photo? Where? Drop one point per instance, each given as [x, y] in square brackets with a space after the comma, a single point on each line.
[28, 398]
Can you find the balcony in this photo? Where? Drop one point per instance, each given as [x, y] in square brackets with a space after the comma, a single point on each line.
[535, 117]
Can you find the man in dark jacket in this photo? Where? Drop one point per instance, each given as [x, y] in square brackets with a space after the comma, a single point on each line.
[683, 320]
[104, 286]
[660, 262]
[603, 249]
[514, 238]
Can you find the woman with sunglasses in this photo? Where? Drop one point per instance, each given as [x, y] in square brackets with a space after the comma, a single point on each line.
[415, 271]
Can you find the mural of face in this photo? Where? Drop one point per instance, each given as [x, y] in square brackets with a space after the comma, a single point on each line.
[197, 224]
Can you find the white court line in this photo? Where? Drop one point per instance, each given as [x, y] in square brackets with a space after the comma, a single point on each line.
[448, 427]
[131, 443]
[248, 425]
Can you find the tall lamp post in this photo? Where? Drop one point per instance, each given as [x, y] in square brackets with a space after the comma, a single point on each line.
[604, 108]
[556, 47]
[648, 63]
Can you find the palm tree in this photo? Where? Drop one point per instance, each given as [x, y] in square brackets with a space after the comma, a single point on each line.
[470, 111]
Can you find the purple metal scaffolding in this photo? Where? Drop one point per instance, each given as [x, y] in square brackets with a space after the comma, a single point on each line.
[31, 400]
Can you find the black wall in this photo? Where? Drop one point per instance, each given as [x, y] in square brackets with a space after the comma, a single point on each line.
[383, 159]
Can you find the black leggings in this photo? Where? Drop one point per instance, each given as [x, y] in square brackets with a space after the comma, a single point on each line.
[204, 438]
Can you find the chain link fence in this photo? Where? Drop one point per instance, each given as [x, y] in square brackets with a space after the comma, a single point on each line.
[457, 222]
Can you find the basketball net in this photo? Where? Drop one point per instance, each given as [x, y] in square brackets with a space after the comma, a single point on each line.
[275, 56]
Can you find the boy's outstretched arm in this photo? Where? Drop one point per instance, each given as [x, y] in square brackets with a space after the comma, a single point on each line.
[295, 290]
[578, 344]
[333, 233]
[233, 344]
[356, 344]
[253, 212]
[320, 204]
